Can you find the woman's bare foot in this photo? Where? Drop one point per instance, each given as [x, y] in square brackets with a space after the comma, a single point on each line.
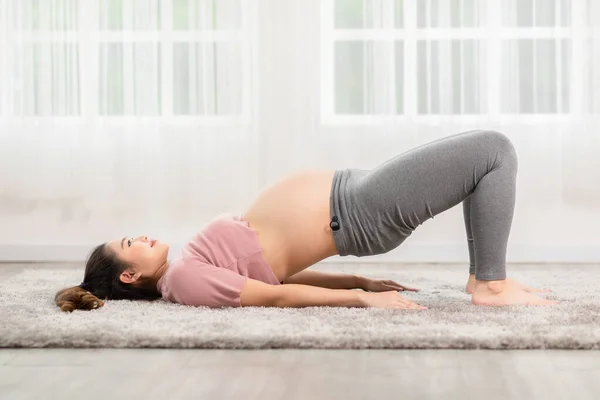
[471, 286]
[528, 289]
[504, 293]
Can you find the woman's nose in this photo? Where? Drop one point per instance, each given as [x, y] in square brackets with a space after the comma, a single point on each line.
[142, 238]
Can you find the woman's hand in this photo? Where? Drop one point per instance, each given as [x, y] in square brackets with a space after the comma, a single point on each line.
[382, 285]
[390, 299]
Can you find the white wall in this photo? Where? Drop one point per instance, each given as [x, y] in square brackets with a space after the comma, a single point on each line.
[66, 189]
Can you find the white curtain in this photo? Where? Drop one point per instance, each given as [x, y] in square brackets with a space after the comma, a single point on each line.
[150, 58]
[124, 116]
[129, 116]
[490, 57]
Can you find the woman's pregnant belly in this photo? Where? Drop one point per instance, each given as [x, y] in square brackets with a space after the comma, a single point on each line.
[292, 219]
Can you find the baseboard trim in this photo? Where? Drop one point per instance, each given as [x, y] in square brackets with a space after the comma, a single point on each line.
[414, 252]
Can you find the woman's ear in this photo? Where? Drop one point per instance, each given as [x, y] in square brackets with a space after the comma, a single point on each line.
[129, 276]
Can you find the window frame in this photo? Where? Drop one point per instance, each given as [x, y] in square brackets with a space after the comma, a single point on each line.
[89, 38]
[493, 32]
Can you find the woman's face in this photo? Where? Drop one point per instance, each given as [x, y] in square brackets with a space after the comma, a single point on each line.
[148, 257]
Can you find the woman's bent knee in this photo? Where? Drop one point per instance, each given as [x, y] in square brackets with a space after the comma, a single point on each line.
[500, 142]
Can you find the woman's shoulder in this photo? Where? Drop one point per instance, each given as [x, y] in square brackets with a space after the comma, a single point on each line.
[179, 265]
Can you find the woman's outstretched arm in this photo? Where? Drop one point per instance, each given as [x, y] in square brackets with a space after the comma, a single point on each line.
[325, 280]
[345, 281]
[259, 294]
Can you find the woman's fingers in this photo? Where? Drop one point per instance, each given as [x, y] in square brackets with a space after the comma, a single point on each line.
[407, 304]
[409, 289]
[414, 305]
[398, 286]
[411, 307]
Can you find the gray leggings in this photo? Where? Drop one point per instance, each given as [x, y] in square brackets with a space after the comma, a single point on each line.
[374, 211]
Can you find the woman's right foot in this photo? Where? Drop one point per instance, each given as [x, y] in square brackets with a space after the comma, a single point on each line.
[529, 289]
[503, 293]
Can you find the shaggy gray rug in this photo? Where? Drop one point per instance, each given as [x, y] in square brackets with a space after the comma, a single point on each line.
[29, 317]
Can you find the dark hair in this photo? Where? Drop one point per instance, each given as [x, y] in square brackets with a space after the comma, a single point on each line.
[101, 281]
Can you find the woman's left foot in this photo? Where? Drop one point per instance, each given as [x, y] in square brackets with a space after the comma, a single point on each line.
[517, 285]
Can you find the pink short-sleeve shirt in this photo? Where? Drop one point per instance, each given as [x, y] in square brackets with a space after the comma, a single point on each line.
[215, 264]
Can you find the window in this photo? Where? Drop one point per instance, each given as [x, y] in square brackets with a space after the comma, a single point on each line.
[451, 58]
[126, 58]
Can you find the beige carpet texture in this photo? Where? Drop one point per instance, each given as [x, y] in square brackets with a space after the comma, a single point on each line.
[29, 317]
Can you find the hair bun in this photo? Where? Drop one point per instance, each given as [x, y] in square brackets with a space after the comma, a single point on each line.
[76, 298]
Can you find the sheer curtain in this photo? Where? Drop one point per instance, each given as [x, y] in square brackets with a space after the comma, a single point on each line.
[123, 116]
[129, 116]
[142, 57]
[492, 58]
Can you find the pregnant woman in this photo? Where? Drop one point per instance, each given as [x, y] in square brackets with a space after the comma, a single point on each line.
[260, 257]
